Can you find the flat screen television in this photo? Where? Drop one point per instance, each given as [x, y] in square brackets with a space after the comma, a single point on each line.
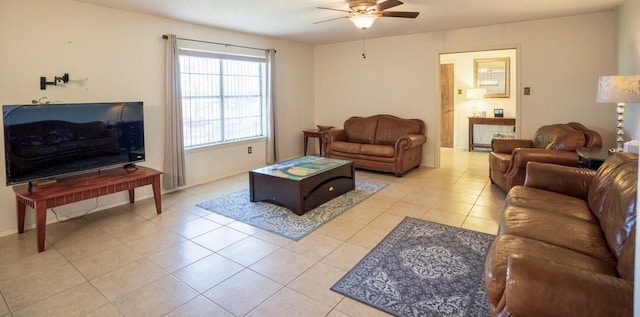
[45, 141]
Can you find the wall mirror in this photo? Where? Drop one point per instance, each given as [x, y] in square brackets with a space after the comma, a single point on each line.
[492, 74]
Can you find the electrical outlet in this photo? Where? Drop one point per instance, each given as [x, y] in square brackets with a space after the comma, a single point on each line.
[459, 91]
[249, 150]
[527, 91]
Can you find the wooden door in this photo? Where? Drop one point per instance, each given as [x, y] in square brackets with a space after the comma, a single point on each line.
[446, 102]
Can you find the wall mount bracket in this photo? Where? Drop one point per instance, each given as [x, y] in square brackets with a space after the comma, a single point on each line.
[63, 79]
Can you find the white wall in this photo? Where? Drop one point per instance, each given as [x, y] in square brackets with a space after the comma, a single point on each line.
[397, 77]
[122, 55]
[560, 60]
[463, 107]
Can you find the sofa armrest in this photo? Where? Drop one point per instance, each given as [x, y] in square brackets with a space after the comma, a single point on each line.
[410, 141]
[333, 135]
[572, 181]
[522, 156]
[537, 287]
[508, 145]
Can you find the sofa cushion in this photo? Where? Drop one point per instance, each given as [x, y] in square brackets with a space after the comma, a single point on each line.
[377, 150]
[559, 137]
[506, 245]
[567, 232]
[534, 198]
[346, 147]
[361, 130]
[390, 129]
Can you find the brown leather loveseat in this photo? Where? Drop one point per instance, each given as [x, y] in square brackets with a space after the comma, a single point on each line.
[566, 242]
[381, 142]
[555, 143]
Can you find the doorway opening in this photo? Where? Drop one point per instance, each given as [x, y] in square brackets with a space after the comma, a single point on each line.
[460, 76]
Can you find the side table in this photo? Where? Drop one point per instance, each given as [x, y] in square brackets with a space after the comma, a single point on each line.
[592, 158]
[312, 133]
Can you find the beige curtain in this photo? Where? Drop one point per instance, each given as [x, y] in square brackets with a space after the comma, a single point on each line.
[174, 171]
[272, 144]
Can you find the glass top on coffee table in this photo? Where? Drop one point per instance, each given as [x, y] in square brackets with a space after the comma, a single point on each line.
[301, 168]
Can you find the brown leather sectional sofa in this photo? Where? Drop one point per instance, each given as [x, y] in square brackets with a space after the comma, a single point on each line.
[554, 143]
[566, 242]
[381, 142]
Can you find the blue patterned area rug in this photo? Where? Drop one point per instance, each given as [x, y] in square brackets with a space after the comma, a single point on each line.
[422, 269]
[283, 221]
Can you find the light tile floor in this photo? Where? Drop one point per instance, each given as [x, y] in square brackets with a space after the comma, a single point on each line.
[128, 261]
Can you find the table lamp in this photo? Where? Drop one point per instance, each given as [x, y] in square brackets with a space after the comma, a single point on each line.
[621, 90]
[475, 94]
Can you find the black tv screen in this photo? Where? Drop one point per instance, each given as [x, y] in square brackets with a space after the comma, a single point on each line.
[43, 141]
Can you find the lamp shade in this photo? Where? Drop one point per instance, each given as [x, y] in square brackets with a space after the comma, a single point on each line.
[476, 93]
[363, 21]
[619, 89]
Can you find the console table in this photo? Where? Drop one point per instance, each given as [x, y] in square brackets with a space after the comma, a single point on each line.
[488, 121]
[74, 189]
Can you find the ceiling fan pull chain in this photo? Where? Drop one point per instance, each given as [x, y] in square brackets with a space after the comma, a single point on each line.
[364, 47]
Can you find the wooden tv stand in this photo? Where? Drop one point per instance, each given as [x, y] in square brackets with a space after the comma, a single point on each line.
[74, 189]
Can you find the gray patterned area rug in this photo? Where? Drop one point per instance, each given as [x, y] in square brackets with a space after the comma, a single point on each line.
[422, 269]
[283, 221]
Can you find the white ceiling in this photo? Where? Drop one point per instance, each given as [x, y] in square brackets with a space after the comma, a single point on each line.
[293, 19]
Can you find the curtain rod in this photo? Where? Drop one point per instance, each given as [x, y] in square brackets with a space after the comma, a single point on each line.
[164, 36]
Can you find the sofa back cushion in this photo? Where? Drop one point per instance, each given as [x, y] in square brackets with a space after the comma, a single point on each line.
[592, 138]
[361, 130]
[391, 128]
[612, 199]
[559, 137]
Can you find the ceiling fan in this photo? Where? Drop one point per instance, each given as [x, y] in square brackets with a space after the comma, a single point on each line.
[364, 12]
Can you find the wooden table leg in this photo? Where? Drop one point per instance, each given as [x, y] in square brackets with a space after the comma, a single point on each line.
[132, 195]
[156, 193]
[41, 224]
[306, 142]
[21, 210]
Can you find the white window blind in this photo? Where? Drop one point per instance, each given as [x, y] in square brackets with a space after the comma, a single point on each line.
[223, 97]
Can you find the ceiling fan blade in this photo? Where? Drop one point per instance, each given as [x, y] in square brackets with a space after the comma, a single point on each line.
[400, 14]
[341, 10]
[331, 20]
[387, 4]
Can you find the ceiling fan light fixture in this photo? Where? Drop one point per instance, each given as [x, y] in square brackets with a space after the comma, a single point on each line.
[363, 21]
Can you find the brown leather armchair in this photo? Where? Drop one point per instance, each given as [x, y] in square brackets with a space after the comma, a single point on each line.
[556, 144]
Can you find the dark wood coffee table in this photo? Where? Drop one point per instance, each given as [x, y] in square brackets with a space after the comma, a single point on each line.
[303, 183]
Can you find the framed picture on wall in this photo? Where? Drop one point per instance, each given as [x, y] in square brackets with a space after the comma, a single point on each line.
[492, 74]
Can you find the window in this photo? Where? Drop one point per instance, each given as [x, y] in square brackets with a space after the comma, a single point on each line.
[223, 97]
